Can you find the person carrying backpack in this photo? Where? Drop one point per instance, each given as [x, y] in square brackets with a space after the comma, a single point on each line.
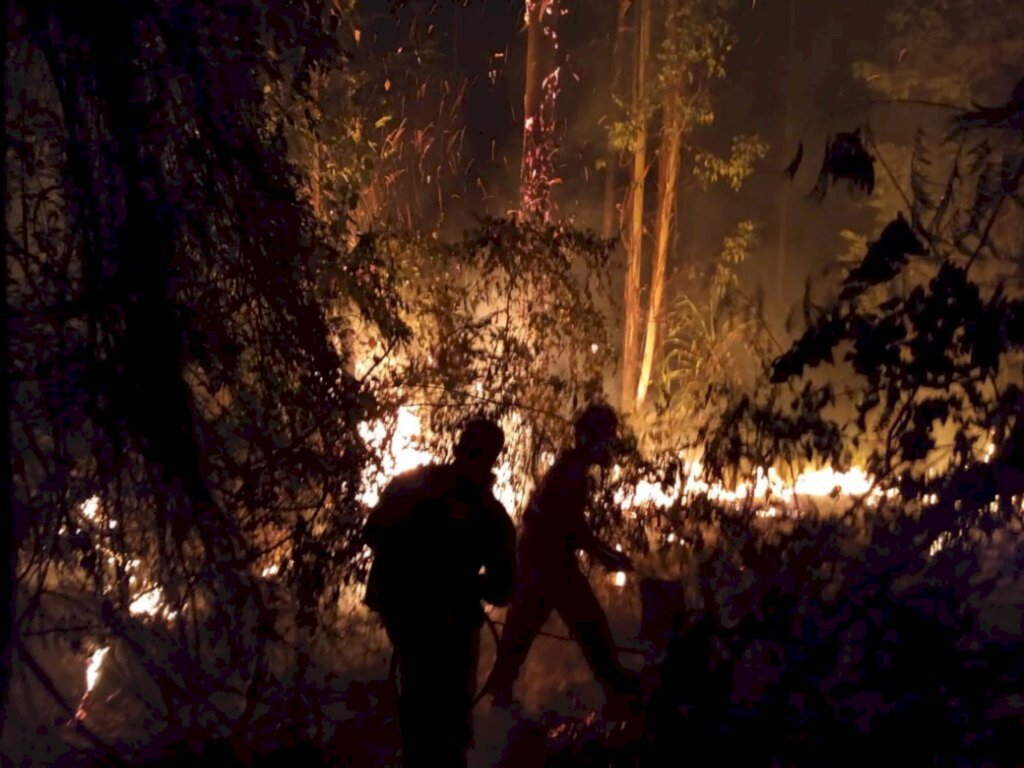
[442, 543]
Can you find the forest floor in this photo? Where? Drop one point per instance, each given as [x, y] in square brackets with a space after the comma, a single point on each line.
[558, 700]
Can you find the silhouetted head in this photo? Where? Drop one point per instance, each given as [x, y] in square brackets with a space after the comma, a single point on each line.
[596, 429]
[478, 448]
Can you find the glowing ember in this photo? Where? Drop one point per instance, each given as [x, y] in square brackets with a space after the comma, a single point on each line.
[620, 579]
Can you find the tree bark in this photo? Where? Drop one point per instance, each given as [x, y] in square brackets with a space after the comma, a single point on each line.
[669, 152]
[540, 95]
[634, 244]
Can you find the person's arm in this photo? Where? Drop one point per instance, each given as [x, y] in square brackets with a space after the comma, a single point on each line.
[577, 501]
[499, 576]
[609, 557]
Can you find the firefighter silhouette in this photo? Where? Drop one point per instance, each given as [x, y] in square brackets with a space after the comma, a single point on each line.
[554, 529]
[442, 543]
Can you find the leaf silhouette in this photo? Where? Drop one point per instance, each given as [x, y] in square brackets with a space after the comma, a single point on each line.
[884, 258]
[845, 158]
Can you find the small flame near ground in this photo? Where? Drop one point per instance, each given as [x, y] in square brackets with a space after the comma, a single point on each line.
[92, 676]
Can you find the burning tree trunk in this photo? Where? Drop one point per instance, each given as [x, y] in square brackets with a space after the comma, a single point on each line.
[608, 228]
[668, 175]
[540, 95]
[635, 229]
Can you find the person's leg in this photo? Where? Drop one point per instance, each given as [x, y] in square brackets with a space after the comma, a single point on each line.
[424, 658]
[525, 617]
[455, 708]
[579, 608]
[469, 674]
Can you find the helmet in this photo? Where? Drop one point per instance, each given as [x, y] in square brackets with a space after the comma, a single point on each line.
[481, 440]
[596, 426]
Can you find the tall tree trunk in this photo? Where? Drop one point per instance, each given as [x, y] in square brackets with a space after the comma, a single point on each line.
[539, 97]
[634, 244]
[669, 151]
[787, 141]
[608, 226]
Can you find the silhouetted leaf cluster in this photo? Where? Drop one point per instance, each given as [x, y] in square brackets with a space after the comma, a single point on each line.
[845, 158]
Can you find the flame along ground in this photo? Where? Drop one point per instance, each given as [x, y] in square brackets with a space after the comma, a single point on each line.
[402, 448]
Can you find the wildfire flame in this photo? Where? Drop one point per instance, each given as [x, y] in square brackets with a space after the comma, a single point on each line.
[151, 603]
[402, 452]
[145, 598]
[92, 676]
[401, 447]
[768, 488]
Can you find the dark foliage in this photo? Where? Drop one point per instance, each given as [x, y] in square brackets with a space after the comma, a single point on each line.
[815, 656]
[884, 258]
[172, 357]
[845, 158]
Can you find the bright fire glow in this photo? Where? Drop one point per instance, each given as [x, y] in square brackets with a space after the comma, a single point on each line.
[90, 507]
[151, 603]
[92, 671]
[92, 676]
[768, 489]
[402, 452]
[271, 570]
[939, 544]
